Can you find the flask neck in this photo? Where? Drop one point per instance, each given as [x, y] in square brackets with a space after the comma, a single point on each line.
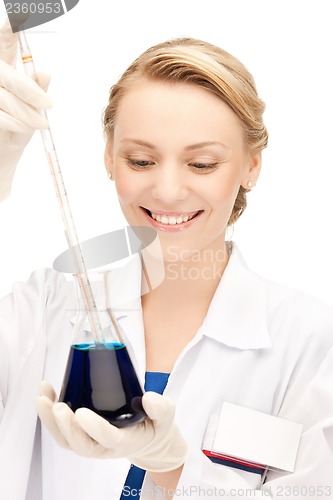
[94, 321]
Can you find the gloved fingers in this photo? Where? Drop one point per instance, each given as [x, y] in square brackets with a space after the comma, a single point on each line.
[8, 44]
[159, 409]
[46, 389]
[10, 124]
[77, 439]
[43, 80]
[23, 113]
[44, 409]
[119, 442]
[99, 429]
[24, 87]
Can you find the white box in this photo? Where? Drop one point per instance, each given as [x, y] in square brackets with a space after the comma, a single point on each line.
[257, 437]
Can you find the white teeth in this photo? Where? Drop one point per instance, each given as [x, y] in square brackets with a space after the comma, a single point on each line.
[172, 220]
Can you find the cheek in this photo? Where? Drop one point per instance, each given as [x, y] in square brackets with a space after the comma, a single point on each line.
[222, 192]
[128, 188]
[124, 191]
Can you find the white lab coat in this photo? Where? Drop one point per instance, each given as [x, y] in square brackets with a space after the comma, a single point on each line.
[261, 345]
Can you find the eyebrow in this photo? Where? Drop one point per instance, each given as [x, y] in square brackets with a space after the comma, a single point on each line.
[139, 142]
[204, 144]
[187, 148]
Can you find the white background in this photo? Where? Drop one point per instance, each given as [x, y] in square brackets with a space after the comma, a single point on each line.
[286, 232]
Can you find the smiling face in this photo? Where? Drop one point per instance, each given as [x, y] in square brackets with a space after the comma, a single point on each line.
[178, 158]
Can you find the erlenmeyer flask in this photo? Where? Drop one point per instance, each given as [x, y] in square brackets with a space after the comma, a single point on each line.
[100, 375]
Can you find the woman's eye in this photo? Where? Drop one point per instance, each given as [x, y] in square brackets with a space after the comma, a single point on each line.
[203, 166]
[139, 164]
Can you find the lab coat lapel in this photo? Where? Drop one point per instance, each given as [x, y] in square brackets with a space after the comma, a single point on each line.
[237, 313]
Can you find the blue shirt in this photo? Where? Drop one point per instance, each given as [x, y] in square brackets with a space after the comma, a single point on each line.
[156, 382]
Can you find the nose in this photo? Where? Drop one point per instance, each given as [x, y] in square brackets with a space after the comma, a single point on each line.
[169, 185]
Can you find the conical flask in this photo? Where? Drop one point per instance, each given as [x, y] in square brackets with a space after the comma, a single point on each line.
[100, 374]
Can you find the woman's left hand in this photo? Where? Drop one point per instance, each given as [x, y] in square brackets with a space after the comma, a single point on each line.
[155, 444]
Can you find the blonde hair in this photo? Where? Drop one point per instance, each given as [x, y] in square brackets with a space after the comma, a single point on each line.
[203, 64]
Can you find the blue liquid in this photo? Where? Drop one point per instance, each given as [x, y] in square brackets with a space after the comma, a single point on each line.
[102, 378]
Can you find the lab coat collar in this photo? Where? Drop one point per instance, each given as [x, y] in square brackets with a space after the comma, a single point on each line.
[237, 313]
[236, 316]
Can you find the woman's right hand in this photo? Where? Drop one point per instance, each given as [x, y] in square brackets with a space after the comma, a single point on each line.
[21, 98]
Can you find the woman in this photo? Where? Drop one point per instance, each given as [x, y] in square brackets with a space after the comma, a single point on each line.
[184, 139]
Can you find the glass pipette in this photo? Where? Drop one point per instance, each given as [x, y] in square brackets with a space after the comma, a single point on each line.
[70, 231]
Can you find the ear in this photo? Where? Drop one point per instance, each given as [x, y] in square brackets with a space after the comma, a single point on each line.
[252, 170]
[108, 159]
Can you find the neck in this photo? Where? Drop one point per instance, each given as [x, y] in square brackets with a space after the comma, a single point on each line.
[196, 275]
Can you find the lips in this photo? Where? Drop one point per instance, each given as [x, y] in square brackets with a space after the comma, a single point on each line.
[172, 218]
